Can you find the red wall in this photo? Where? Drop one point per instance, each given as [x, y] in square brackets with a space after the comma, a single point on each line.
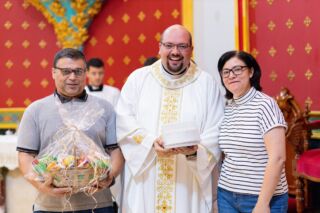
[23, 78]
[299, 69]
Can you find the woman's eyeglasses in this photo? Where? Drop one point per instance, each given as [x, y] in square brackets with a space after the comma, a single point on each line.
[236, 70]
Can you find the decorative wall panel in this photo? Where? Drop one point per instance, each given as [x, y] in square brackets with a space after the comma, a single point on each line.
[284, 37]
[123, 34]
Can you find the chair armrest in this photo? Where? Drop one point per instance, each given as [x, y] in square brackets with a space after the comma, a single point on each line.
[313, 125]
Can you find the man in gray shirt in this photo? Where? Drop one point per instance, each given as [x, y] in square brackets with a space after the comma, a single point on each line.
[42, 119]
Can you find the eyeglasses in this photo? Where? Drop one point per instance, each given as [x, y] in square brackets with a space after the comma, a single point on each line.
[68, 71]
[180, 47]
[236, 70]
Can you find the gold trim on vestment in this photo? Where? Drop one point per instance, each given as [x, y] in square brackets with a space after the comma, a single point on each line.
[190, 76]
[166, 166]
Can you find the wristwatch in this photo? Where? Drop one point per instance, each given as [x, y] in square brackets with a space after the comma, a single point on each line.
[192, 156]
[112, 182]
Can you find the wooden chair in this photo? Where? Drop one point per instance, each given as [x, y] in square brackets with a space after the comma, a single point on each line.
[308, 168]
[301, 163]
[295, 142]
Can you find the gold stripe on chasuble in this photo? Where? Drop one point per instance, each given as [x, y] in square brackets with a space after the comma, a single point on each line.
[166, 166]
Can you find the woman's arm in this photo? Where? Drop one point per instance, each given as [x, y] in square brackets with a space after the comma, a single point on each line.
[275, 144]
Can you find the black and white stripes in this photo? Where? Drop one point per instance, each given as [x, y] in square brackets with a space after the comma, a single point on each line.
[246, 121]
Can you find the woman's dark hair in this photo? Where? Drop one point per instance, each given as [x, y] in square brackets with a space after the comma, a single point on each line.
[249, 61]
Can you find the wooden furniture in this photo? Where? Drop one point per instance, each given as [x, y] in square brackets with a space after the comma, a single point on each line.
[295, 142]
[301, 163]
[308, 168]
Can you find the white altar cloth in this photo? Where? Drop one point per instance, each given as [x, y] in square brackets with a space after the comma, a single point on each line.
[8, 153]
[20, 194]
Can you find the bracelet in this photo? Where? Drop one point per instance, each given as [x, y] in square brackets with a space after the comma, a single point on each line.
[192, 156]
[112, 182]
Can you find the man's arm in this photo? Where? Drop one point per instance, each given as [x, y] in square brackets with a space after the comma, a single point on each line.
[117, 162]
[29, 137]
[25, 165]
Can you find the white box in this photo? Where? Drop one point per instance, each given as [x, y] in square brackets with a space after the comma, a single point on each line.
[180, 134]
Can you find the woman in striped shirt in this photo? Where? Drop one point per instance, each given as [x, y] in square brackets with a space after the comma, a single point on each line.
[252, 137]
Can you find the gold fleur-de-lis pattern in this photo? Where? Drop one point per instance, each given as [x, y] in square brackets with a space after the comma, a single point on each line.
[138, 138]
[123, 35]
[285, 43]
[166, 165]
[27, 46]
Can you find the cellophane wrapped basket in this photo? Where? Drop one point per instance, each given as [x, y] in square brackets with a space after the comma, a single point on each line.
[72, 159]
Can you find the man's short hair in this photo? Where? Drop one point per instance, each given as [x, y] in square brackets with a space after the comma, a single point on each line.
[95, 62]
[68, 53]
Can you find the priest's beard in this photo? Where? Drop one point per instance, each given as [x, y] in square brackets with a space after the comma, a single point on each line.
[175, 70]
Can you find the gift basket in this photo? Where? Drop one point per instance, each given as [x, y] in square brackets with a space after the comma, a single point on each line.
[72, 159]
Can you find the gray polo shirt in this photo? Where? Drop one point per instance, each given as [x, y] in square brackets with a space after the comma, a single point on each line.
[41, 120]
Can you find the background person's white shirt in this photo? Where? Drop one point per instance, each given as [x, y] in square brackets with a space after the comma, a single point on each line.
[109, 93]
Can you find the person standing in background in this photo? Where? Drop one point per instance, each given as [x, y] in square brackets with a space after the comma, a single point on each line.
[150, 60]
[95, 75]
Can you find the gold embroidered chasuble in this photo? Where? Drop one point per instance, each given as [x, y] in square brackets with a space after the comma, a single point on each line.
[149, 100]
[169, 113]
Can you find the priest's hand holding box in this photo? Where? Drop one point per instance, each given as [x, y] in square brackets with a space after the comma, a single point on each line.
[178, 135]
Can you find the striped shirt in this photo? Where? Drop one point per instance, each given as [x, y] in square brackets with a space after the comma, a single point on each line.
[246, 121]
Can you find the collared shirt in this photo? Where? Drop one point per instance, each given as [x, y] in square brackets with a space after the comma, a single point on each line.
[82, 97]
[95, 89]
[109, 93]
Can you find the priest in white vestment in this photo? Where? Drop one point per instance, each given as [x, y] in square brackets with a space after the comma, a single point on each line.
[172, 90]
